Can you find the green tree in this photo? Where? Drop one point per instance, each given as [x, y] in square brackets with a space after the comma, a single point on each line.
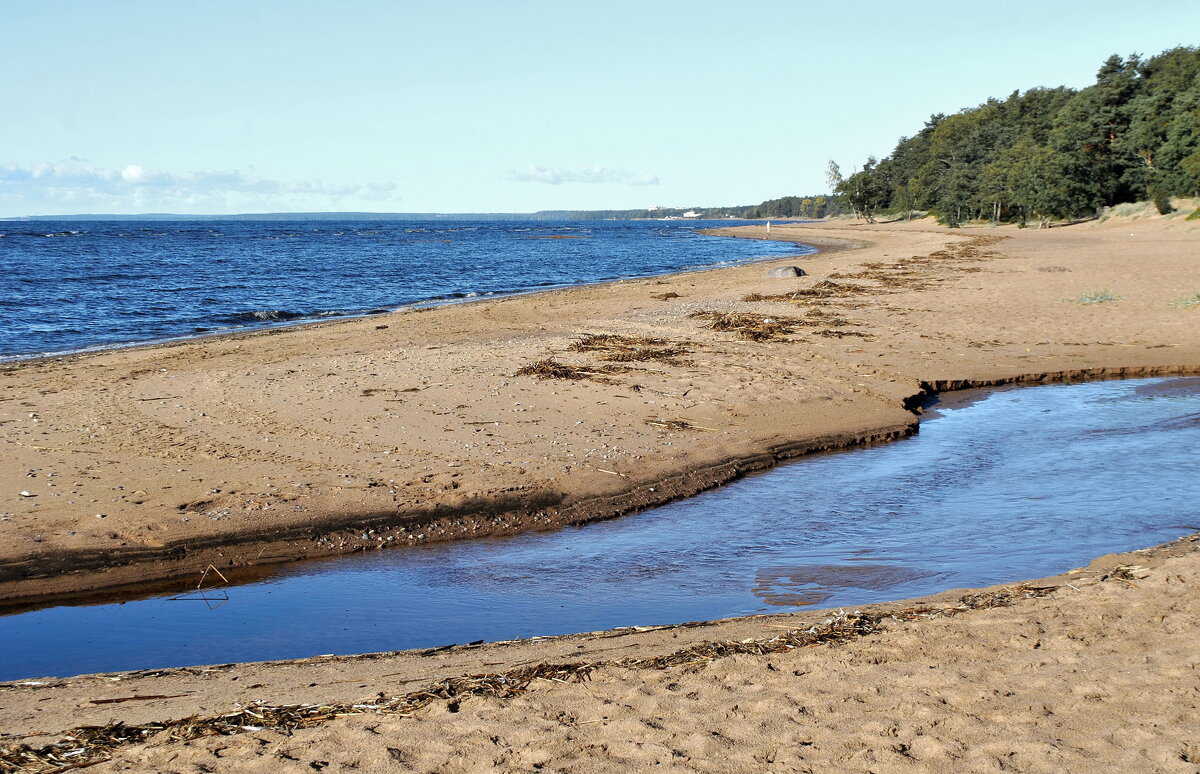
[865, 191]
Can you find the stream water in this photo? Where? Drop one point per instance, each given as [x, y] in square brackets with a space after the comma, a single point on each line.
[1007, 485]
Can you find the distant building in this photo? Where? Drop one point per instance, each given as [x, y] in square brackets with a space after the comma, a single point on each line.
[691, 214]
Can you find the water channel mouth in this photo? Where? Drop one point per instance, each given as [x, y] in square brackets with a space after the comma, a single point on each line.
[1000, 486]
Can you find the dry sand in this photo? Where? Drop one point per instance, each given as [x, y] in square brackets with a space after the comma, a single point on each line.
[270, 446]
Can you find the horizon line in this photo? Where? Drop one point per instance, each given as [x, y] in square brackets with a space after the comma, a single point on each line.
[357, 213]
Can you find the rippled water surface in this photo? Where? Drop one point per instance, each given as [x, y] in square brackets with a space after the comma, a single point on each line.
[77, 284]
[1017, 484]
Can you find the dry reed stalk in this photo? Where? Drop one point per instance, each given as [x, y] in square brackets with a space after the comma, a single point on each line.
[752, 327]
[625, 349]
[675, 424]
[549, 368]
[822, 290]
[837, 334]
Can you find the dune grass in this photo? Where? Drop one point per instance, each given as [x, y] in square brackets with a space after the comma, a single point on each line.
[1187, 302]
[1096, 297]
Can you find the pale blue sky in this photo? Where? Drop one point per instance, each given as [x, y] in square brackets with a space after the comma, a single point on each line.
[218, 106]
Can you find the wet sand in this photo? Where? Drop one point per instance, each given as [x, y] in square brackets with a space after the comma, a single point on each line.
[326, 439]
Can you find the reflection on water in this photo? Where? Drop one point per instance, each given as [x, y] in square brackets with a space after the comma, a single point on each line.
[1020, 483]
[812, 584]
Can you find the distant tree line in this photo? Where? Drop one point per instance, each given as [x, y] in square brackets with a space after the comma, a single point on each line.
[1048, 153]
[801, 207]
[806, 207]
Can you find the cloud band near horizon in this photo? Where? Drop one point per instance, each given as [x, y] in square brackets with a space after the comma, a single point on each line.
[593, 174]
[77, 182]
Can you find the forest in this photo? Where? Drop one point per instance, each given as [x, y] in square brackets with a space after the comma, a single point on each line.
[1047, 153]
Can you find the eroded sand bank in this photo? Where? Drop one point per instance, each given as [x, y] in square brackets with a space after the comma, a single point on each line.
[302, 428]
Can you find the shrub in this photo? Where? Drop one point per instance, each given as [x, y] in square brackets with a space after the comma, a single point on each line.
[1096, 297]
[1162, 202]
[1187, 302]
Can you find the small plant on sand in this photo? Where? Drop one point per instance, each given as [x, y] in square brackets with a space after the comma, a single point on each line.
[1162, 200]
[1096, 297]
[1187, 302]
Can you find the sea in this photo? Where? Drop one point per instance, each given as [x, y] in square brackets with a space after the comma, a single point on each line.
[71, 286]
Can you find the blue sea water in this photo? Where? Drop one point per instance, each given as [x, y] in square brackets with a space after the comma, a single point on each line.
[72, 285]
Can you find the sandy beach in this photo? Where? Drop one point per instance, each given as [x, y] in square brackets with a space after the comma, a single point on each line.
[154, 462]
[237, 451]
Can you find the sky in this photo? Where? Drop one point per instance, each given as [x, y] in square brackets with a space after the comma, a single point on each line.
[227, 106]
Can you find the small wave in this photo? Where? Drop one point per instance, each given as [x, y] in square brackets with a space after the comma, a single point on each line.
[41, 233]
[285, 315]
[262, 315]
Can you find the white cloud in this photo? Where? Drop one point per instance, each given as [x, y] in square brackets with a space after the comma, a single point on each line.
[645, 180]
[535, 173]
[80, 184]
[134, 173]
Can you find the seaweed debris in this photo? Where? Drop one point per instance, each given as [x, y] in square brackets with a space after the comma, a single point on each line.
[88, 745]
[753, 327]
[675, 424]
[823, 289]
[1126, 573]
[839, 334]
[549, 368]
[911, 273]
[625, 349]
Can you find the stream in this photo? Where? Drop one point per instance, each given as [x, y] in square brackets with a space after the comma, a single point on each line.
[998, 486]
